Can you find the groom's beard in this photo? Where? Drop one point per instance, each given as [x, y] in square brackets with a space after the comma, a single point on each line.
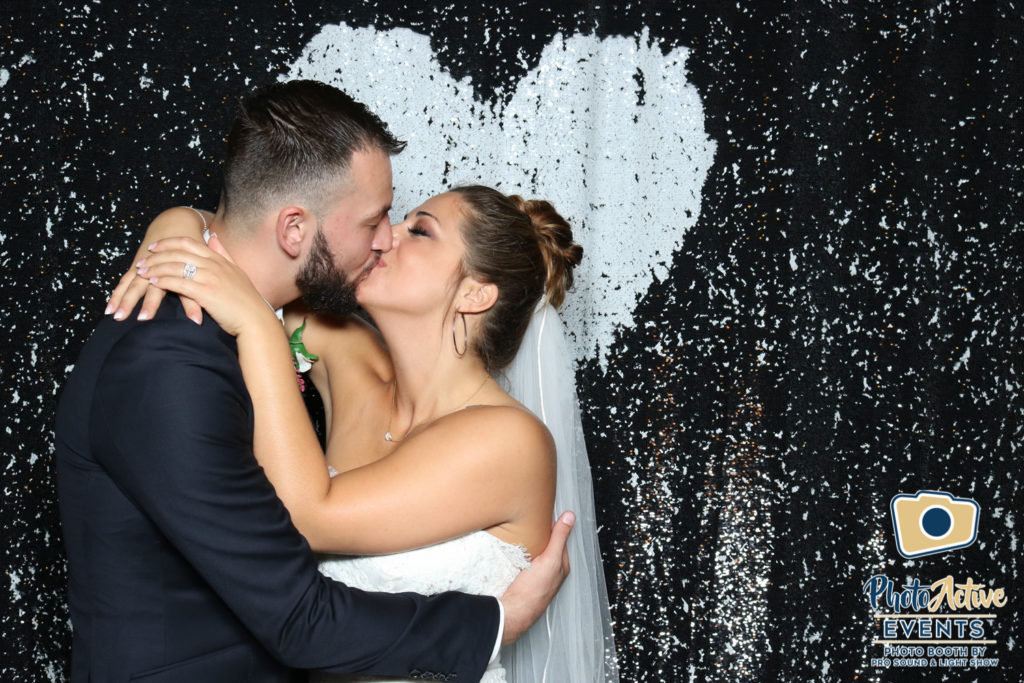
[324, 288]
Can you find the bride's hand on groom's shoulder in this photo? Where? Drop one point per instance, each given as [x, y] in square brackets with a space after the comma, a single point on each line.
[535, 587]
[207, 275]
[130, 289]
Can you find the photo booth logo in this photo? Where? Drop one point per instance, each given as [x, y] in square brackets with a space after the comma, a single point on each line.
[944, 623]
[933, 522]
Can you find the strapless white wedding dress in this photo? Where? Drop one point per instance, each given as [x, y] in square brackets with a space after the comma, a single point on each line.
[478, 563]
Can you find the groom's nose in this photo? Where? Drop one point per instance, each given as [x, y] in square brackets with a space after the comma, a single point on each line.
[382, 236]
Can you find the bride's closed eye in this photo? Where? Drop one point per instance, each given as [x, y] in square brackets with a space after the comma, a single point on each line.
[417, 229]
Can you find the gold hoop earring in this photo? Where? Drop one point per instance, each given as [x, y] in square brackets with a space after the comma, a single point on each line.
[465, 336]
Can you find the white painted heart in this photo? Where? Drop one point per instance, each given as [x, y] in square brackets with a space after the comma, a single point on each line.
[609, 130]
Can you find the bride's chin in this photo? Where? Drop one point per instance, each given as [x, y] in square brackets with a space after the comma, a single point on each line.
[364, 292]
[367, 298]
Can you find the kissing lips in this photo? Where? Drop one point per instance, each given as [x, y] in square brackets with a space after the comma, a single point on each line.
[368, 270]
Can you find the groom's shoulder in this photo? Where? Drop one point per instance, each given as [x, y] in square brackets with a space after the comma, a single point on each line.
[169, 349]
[170, 319]
[169, 335]
[133, 352]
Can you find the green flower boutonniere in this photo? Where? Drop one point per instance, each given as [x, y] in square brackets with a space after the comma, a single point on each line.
[301, 358]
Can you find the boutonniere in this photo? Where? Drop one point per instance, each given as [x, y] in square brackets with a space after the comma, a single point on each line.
[301, 358]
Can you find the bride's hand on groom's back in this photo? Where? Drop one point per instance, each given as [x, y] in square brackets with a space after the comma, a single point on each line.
[180, 221]
[208, 276]
[535, 587]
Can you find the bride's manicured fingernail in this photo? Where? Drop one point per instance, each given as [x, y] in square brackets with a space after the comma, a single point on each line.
[108, 309]
[143, 270]
[152, 246]
[119, 315]
[143, 315]
[141, 262]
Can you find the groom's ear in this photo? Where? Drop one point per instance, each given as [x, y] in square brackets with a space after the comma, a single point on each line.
[292, 227]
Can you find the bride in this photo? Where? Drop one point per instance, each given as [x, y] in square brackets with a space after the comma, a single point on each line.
[437, 478]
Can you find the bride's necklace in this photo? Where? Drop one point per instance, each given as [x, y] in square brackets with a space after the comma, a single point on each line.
[394, 400]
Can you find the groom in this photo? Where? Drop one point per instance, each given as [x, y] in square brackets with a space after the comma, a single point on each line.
[183, 563]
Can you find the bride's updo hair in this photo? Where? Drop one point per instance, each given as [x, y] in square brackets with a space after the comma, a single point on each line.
[525, 248]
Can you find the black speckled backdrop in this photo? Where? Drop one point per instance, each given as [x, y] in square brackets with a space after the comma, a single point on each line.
[841, 324]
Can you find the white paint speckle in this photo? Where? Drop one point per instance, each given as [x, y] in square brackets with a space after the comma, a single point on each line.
[963, 359]
[15, 580]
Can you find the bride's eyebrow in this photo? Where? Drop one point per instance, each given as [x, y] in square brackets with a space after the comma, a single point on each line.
[421, 213]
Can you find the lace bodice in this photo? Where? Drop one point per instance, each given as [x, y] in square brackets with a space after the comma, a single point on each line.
[478, 563]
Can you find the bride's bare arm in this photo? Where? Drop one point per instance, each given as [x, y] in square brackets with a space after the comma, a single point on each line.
[475, 469]
[478, 468]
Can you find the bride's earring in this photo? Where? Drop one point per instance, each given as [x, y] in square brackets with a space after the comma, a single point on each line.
[465, 336]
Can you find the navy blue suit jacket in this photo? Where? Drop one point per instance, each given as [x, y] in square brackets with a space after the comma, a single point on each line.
[184, 565]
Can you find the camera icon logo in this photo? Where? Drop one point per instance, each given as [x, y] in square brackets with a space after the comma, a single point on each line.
[933, 522]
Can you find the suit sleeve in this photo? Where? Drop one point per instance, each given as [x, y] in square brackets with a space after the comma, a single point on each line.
[172, 421]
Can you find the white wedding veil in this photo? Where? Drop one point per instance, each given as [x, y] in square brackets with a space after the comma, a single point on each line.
[573, 641]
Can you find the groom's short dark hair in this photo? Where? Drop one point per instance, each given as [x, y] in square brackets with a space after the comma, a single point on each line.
[290, 142]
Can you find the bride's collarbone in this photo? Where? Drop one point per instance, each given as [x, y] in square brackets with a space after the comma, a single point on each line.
[483, 421]
[356, 437]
